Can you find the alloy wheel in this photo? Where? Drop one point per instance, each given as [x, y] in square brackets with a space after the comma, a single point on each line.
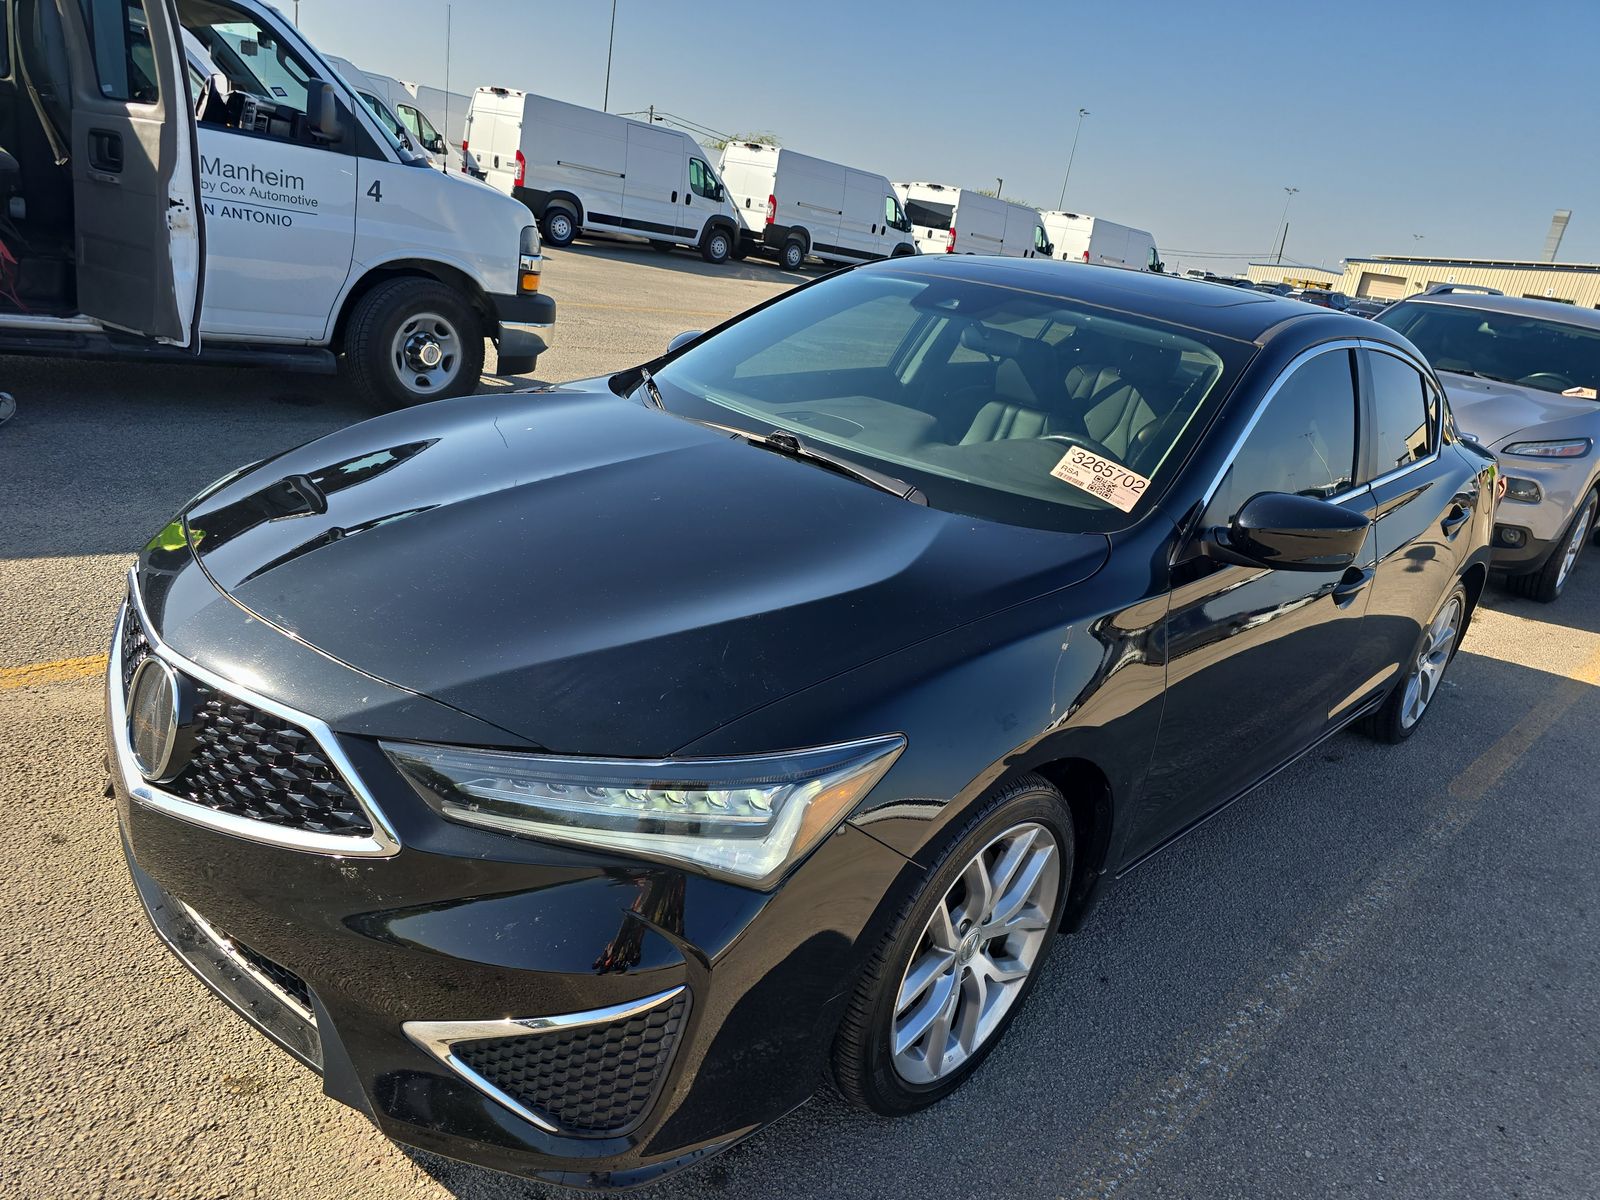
[975, 954]
[1437, 645]
[426, 352]
[1581, 529]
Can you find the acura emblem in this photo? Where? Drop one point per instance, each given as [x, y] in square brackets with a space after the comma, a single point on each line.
[153, 717]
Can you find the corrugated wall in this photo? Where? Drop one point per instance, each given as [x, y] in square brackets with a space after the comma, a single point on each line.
[1392, 280]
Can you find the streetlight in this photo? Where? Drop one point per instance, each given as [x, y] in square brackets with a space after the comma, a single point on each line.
[605, 104]
[1284, 222]
[999, 186]
[1082, 113]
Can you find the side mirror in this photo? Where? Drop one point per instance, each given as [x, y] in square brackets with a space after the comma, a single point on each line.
[328, 124]
[1289, 533]
[436, 144]
[683, 339]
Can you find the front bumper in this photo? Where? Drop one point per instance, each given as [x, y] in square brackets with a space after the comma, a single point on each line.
[376, 970]
[1537, 526]
[526, 324]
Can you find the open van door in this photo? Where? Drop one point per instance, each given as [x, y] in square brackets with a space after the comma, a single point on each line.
[107, 78]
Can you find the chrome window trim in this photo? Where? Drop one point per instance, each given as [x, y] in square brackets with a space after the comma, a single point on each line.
[225, 946]
[1437, 431]
[383, 842]
[438, 1038]
[1295, 363]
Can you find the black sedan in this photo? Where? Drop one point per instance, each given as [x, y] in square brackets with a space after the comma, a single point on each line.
[577, 778]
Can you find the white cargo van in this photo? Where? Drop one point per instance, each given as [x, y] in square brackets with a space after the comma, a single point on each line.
[952, 220]
[267, 211]
[1095, 240]
[400, 107]
[792, 205]
[580, 170]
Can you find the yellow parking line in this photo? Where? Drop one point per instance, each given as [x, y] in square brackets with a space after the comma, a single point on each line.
[62, 670]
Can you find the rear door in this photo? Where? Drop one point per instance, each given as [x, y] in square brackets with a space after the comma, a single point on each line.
[129, 138]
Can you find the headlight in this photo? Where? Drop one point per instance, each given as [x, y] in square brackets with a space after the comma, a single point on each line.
[1570, 448]
[744, 819]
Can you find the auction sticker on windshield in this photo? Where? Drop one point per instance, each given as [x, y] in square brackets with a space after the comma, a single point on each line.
[1102, 477]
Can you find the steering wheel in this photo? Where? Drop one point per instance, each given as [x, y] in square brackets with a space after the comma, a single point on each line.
[1561, 381]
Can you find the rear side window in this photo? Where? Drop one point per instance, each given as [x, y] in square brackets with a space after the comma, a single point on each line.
[1304, 443]
[124, 63]
[1403, 411]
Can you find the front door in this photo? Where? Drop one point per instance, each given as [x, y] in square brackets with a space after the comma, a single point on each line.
[129, 138]
[1261, 663]
[279, 192]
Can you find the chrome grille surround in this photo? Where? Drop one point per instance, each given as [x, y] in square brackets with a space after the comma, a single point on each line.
[133, 624]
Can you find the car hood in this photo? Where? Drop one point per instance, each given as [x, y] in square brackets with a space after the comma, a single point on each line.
[596, 576]
[1492, 411]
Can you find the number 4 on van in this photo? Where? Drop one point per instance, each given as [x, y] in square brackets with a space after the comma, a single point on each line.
[376, 190]
[1102, 477]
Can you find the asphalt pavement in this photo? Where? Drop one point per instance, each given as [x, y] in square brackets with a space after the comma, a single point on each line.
[1379, 975]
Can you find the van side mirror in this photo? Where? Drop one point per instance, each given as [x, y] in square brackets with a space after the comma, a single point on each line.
[683, 339]
[328, 123]
[435, 144]
[1289, 533]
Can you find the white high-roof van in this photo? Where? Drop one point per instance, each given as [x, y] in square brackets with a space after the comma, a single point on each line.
[952, 220]
[424, 114]
[1095, 240]
[211, 179]
[793, 205]
[581, 170]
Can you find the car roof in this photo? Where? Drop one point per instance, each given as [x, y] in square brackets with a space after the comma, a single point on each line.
[1239, 313]
[1520, 306]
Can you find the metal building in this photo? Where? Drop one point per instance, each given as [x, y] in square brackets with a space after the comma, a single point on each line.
[1395, 276]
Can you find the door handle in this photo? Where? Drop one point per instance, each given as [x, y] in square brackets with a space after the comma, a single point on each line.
[1455, 519]
[1351, 584]
[688, 197]
[105, 151]
[674, 197]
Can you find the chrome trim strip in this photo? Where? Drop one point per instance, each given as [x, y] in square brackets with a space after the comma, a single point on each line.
[383, 842]
[438, 1038]
[224, 944]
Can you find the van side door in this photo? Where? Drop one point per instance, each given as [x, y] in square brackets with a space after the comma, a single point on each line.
[128, 132]
[279, 191]
[657, 180]
[862, 232]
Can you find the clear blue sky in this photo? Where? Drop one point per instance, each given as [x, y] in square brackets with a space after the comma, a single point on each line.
[1466, 121]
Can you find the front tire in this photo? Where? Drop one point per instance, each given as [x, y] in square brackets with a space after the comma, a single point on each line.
[1550, 580]
[559, 227]
[716, 245]
[959, 959]
[412, 340]
[1422, 673]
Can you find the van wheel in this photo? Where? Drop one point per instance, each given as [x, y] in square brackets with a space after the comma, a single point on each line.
[413, 340]
[559, 226]
[792, 255]
[716, 245]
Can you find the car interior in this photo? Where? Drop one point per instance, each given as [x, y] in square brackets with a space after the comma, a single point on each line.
[993, 398]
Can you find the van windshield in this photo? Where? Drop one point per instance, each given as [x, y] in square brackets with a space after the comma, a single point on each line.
[974, 392]
[931, 213]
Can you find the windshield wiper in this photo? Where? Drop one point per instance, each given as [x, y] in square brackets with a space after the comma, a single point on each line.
[790, 446]
[652, 392]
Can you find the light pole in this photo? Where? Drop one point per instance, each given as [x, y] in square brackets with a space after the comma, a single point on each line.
[1284, 222]
[1082, 113]
[605, 104]
[999, 186]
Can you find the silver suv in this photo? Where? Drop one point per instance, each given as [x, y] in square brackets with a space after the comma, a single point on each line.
[1524, 381]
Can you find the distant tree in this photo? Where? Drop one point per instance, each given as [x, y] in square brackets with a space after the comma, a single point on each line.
[998, 196]
[761, 139]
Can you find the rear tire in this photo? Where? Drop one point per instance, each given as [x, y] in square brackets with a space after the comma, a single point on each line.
[716, 244]
[792, 255]
[1550, 580]
[388, 334]
[1422, 673]
[898, 997]
[559, 226]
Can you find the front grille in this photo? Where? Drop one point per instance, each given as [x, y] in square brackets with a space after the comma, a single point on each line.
[285, 980]
[596, 1079]
[246, 762]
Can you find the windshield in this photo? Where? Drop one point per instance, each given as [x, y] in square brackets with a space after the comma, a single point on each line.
[974, 392]
[1535, 352]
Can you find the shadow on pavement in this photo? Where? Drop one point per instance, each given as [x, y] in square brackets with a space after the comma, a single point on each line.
[689, 262]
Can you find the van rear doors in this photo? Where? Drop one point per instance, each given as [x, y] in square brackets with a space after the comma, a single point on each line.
[107, 80]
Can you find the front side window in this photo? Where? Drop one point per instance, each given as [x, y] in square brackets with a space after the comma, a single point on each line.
[1304, 442]
[1536, 352]
[273, 90]
[701, 181]
[894, 216]
[408, 118]
[124, 62]
[973, 392]
[1403, 411]
[1039, 241]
